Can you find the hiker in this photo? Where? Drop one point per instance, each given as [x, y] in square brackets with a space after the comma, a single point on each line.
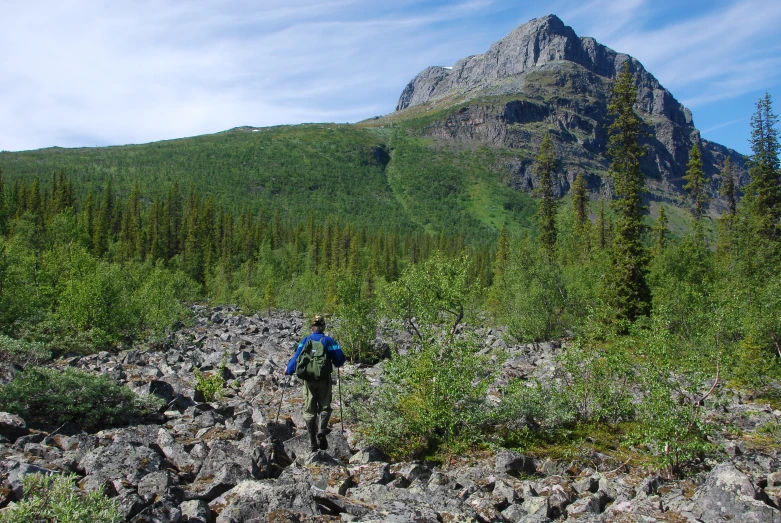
[316, 373]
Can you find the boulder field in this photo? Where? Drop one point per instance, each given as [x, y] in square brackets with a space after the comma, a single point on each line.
[245, 457]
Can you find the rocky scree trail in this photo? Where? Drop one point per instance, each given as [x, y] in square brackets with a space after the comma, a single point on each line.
[228, 461]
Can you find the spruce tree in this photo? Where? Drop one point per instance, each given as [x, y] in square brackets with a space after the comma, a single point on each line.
[102, 234]
[3, 207]
[580, 200]
[762, 198]
[502, 253]
[728, 188]
[601, 225]
[659, 231]
[628, 291]
[695, 183]
[546, 214]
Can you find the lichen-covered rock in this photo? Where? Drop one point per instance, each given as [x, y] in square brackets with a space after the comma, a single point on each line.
[401, 512]
[728, 495]
[120, 460]
[196, 511]
[161, 512]
[254, 500]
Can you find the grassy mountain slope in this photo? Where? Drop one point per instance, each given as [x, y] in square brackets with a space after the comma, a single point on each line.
[378, 177]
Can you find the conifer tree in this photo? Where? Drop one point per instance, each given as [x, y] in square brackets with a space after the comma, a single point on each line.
[502, 253]
[102, 235]
[628, 291]
[19, 198]
[762, 198]
[695, 183]
[3, 207]
[130, 233]
[659, 231]
[546, 214]
[728, 188]
[580, 200]
[34, 204]
[601, 226]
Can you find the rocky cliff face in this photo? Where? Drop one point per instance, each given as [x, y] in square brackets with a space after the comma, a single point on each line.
[543, 73]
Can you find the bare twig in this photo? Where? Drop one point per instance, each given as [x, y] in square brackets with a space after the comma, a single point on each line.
[622, 465]
[715, 383]
[778, 344]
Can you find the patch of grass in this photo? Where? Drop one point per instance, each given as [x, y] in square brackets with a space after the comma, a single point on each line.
[580, 442]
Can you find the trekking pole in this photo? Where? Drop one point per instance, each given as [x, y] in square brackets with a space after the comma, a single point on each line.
[341, 405]
[280, 402]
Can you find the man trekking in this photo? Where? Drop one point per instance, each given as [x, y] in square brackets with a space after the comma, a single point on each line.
[312, 362]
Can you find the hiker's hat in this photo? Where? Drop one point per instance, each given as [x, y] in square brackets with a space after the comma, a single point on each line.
[318, 321]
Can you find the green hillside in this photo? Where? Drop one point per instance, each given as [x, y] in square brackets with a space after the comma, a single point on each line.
[378, 177]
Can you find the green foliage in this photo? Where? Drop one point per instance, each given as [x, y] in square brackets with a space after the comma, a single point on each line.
[594, 383]
[534, 295]
[22, 353]
[433, 397]
[213, 386]
[695, 183]
[357, 324]
[54, 397]
[660, 232]
[54, 498]
[436, 292]
[627, 291]
[545, 165]
[762, 200]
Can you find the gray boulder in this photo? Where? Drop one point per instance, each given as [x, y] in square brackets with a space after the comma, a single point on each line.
[161, 512]
[176, 455]
[513, 463]
[337, 446]
[728, 495]
[120, 460]
[196, 511]
[12, 426]
[402, 512]
[254, 500]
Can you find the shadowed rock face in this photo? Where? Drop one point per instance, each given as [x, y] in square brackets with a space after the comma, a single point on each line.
[563, 81]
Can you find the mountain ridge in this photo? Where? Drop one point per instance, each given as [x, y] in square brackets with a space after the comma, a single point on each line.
[578, 71]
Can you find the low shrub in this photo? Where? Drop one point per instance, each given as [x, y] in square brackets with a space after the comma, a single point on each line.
[434, 398]
[55, 397]
[21, 352]
[53, 498]
[212, 387]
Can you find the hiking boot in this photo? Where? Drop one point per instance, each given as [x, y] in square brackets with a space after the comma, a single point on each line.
[311, 427]
[324, 430]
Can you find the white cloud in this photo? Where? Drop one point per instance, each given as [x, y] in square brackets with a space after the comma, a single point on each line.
[716, 55]
[94, 72]
[125, 72]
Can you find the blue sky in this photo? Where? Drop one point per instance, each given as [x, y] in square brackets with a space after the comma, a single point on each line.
[87, 73]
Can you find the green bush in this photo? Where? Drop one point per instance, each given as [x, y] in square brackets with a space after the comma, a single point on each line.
[213, 386]
[357, 322]
[54, 397]
[53, 498]
[21, 352]
[434, 397]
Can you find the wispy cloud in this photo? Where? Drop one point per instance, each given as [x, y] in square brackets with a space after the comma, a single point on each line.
[721, 53]
[92, 72]
[138, 71]
[722, 125]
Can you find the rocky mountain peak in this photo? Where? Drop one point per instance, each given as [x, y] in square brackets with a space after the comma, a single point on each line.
[544, 73]
[539, 43]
